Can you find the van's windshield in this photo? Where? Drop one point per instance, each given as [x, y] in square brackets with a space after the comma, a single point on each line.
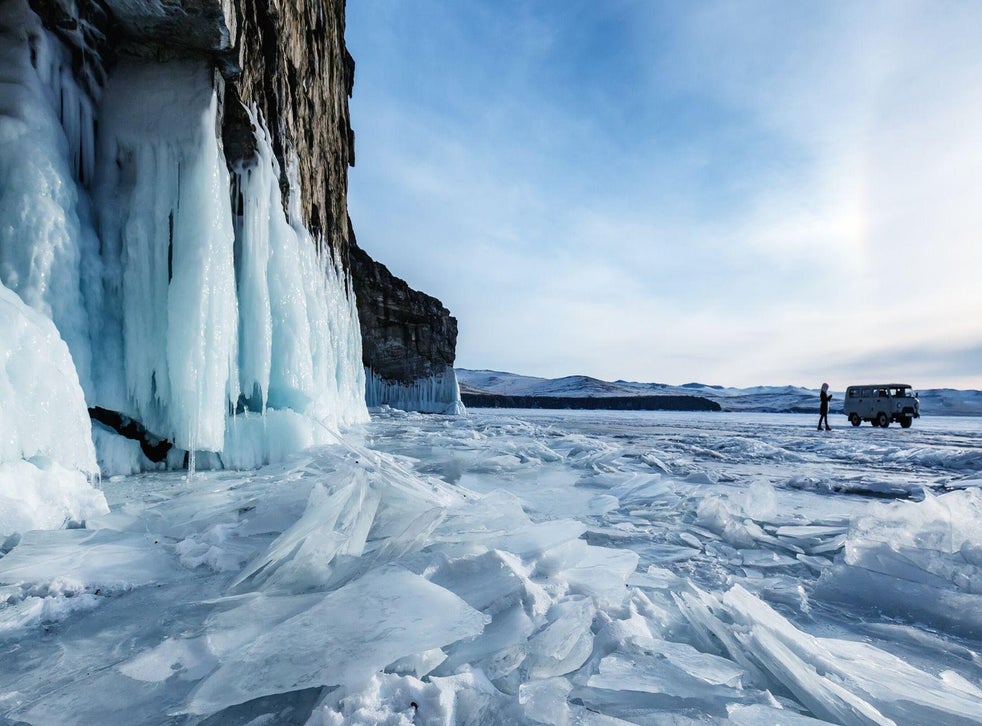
[900, 392]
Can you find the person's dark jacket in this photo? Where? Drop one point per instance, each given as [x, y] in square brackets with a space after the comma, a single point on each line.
[825, 403]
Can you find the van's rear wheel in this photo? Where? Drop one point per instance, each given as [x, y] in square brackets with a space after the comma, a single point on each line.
[854, 419]
[881, 420]
[906, 421]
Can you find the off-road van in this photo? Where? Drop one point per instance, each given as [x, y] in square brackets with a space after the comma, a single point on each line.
[881, 403]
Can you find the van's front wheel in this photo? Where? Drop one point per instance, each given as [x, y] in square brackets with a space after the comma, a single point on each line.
[882, 420]
[906, 421]
[854, 419]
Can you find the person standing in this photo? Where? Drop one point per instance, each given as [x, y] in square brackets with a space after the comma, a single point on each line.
[823, 410]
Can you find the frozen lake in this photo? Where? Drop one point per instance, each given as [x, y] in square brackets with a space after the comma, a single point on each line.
[522, 567]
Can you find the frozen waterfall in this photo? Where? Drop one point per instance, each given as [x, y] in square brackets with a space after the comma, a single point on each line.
[47, 243]
[170, 310]
[190, 301]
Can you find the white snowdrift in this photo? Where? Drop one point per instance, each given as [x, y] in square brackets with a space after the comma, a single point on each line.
[46, 452]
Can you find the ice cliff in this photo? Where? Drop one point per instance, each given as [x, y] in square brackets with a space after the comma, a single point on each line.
[408, 337]
[173, 194]
[46, 452]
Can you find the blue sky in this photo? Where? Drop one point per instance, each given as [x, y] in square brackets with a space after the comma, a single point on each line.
[735, 193]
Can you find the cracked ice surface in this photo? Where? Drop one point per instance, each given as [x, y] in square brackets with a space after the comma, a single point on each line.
[521, 567]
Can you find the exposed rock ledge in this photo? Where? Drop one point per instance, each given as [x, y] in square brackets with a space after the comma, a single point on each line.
[409, 341]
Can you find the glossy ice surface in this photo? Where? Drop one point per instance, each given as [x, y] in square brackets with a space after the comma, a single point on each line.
[521, 567]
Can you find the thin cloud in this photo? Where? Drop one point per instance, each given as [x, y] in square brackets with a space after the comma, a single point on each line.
[734, 193]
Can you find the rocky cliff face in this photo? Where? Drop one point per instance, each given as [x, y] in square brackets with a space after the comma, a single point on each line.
[406, 334]
[287, 60]
[291, 62]
[409, 341]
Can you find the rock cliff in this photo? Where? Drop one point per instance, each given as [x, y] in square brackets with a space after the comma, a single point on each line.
[406, 334]
[291, 62]
[286, 60]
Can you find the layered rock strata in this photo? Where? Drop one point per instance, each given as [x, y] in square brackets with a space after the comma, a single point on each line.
[409, 341]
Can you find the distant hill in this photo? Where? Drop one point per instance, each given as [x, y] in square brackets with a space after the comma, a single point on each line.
[774, 399]
[950, 402]
[591, 403]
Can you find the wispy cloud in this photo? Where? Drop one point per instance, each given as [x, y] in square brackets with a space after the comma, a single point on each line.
[731, 192]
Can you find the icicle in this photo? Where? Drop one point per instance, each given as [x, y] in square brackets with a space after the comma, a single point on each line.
[251, 186]
[301, 342]
[45, 232]
[433, 394]
[167, 231]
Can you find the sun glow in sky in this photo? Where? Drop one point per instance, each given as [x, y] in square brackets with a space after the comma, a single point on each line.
[738, 193]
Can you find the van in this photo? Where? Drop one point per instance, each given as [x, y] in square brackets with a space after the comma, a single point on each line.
[880, 404]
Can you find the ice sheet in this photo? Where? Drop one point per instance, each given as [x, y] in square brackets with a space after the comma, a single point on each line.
[352, 566]
[916, 560]
[100, 559]
[838, 680]
[342, 640]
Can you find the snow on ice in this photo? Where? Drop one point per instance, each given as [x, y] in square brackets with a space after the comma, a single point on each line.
[520, 567]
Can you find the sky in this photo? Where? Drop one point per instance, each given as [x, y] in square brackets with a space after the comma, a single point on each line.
[735, 193]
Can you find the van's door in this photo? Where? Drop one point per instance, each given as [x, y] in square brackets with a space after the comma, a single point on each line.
[882, 401]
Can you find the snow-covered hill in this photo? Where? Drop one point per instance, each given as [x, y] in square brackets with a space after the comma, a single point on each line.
[951, 402]
[937, 401]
